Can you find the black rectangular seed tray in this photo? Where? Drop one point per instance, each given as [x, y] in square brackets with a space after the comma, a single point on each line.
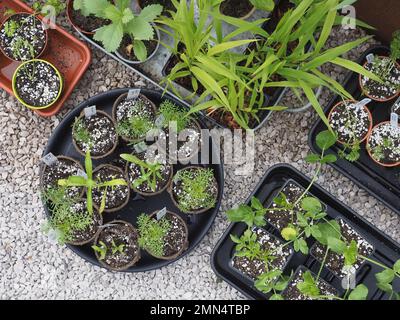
[383, 183]
[60, 143]
[152, 71]
[387, 251]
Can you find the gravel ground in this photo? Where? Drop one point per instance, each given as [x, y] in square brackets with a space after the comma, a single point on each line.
[31, 267]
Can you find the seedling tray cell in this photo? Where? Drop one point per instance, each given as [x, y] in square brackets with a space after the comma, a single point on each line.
[381, 182]
[69, 55]
[387, 251]
[60, 143]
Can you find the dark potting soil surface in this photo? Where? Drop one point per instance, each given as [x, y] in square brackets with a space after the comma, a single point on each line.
[384, 144]
[383, 183]
[119, 234]
[175, 239]
[37, 84]
[90, 231]
[198, 225]
[88, 24]
[27, 41]
[236, 8]
[130, 55]
[116, 196]
[102, 134]
[387, 251]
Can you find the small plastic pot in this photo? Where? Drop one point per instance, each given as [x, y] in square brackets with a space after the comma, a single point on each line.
[45, 30]
[248, 15]
[70, 8]
[171, 192]
[365, 108]
[133, 232]
[129, 192]
[14, 87]
[114, 114]
[365, 92]
[184, 247]
[369, 151]
[82, 153]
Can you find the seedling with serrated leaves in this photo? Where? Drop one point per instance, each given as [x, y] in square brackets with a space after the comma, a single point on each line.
[251, 215]
[88, 182]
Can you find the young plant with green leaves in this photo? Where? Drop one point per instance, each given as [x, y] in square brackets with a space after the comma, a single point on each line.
[123, 21]
[86, 180]
[170, 112]
[101, 249]
[152, 234]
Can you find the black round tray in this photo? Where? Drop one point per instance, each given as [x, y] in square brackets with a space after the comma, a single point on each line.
[60, 143]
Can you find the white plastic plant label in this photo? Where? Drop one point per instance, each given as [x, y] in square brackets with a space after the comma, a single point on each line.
[370, 58]
[363, 102]
[133, 94]
[394, 120]
[161, 214]
[140, 147]
[81, 173]
[349, 280]
[160, 121]
[49, 159]
[90, 111]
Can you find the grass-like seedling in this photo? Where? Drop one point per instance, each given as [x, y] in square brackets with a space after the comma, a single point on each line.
[152, 234]
[81, 133]
[170, 112]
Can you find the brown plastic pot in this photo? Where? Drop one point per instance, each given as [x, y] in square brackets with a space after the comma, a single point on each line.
[101, 156]
[45, 31]
[123, 174]
[133, 230]
[171, 192]
[365, 108]
[184, 247]
[148, 194]
[369, 151]
[114, 114]
[44, 166]
[365, 92]
[69, 10]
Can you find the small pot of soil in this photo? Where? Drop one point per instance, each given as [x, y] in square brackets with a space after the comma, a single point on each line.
[383, 145]
[86, 234]
[167, 5]
[62, 169]
[292, 292]
[389, 71]
[97, 134]
[23, 37]
[335, 262]
[116, 246]
[37, 84]
[166, 238]
[396, 108]
[194, 190]
[242, 9]
[117, 197]
[152, 177]
[85, 24]
[253, 268]
[280, 219]
[351, 122]
[134, 118]
[126, 50]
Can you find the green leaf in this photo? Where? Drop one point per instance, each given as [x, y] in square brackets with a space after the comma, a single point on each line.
[289, 233]
[359, 293]
[110, 36]
[222, 47]
[336, 245]
[313, 158]
[276, 297]
[311, 204]
[88, 165]
[327, 230]
[329, 158]
[151, 12]
[140, 50]
[139, 29]
[350, 254]
[97, 8]
[386, 276]
[396, 266]
[325, 140]
[385, 287]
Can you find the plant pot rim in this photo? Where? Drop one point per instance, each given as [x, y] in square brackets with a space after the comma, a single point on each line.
[171, 192]
[185, 245]
[98, 112]
[365, 108]
[43, 167]
[369, 151]
[114, 114]
[149, 194]
[360, 77]
[105, 165]
[44, 29]
[134, 231]
[247, 15]
[14, 80]
[71, 21]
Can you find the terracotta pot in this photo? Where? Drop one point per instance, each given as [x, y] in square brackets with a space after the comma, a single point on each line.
[184, 247]
[114, 114]
[171, 192]
[369, 151]
[136, 258]
[365, 91]
[45, 30]
[106, 154]
[123, 174]
[365, 108]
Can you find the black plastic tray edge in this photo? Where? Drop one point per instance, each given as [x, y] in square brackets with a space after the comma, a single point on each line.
[166, 263]
[316, 185]
[337, 167]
